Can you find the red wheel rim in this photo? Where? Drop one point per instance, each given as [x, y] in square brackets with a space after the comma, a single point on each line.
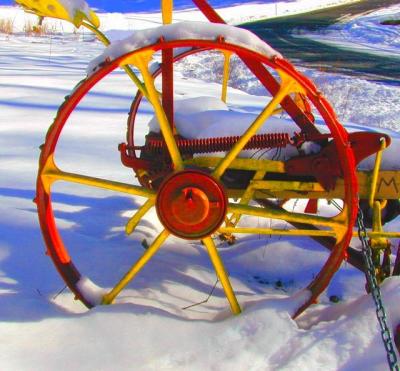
[55, 246]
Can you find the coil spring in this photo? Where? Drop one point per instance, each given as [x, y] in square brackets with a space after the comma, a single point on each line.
[219, 144]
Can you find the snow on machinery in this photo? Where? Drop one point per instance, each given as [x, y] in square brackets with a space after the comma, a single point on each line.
[203, 185]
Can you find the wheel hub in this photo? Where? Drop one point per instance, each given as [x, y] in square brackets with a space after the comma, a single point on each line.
[191, 204]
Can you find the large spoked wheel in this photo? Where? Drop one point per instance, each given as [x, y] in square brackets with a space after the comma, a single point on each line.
[192, 200]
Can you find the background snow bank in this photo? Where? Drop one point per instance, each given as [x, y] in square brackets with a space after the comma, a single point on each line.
[365, 33]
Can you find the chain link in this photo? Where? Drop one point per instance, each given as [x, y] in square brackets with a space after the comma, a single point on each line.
[376, 294]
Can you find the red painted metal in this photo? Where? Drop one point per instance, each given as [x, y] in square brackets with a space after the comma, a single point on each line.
[324, 166]
[208, 11]
[54, 244]
[191, 204]
[312, 206]
[219, 144]
[167, 97]
[132, 161]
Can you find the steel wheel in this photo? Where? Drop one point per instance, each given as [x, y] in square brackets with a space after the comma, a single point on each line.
[184, 187]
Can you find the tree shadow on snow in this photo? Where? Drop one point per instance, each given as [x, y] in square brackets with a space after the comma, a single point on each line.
[92, 229]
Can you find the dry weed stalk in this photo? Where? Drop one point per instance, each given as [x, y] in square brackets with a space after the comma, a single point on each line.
[6, 26]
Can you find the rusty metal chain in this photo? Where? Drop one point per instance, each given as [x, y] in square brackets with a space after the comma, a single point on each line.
[376, 294]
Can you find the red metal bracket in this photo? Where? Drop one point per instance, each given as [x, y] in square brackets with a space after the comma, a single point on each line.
[325, 167]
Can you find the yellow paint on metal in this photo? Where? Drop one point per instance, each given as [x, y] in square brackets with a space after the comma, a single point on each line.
[239, 164]
[227, 59]
[388, 182]
[55, 9]
[103, 38]
[167, 7]
[51, 173]
[288, 85]
[48, 173]
[141, 61]
[134, 221]
[286, 185]
[279, 232]
[375, 173]
[382, 234]
[221, 274]
[336, 223]
[377, 241]
[136, 268]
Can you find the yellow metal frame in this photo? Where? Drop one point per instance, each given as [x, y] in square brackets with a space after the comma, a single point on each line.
[55, 9]
[225, 78]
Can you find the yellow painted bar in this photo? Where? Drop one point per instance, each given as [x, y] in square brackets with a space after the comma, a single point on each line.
[103, 38]
[227, 59]
[377, 217]
[56, 9]
[253, 128]
[167, 7]
[382, 234]
[136, 268]
[141, 61]
[286, 185]
[388, 188]
[279, 232]
[51, 173]
[221, 274]
[375, 172]
[134, 221]
[337, 223]
[239, 164]
[388, 182]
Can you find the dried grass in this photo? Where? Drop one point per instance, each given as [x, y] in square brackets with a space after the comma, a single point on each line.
[6, 26]
[35, 29]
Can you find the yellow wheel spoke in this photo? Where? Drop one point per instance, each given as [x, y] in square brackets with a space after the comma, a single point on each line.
[279, 232]
[134, 221]
[221, 274]
[288, 86]
[337, 224]
[136, 268]
[227, 59]
[51, 173]
[141, 61]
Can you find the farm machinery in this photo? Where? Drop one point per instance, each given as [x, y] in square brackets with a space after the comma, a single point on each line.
[203, 185]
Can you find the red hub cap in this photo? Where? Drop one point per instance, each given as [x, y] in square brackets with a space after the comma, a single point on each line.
[191, 204]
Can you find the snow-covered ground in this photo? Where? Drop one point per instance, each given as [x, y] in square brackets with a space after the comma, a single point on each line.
[149, 328]
[365, 33]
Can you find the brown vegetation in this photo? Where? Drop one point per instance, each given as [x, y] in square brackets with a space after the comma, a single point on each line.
[6, 26]
[38, 29]
[31, 28]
